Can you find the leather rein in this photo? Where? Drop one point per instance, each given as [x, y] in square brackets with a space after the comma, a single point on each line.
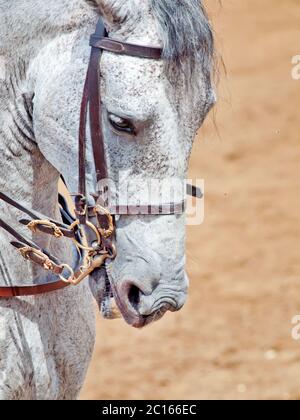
[103, 247]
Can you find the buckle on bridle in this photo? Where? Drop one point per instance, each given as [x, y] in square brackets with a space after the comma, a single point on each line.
[93, 263]
[90, 225]
[34, 224]
[105, 219]
[67, 280]
[37, 256]
[80, 205]
[101, 250]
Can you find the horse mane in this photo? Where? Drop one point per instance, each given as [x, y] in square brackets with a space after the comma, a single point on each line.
[185, 30]
[187, 35]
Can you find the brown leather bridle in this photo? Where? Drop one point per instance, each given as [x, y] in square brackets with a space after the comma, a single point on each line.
[103, 225]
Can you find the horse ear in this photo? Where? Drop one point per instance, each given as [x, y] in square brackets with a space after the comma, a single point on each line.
[114, 12]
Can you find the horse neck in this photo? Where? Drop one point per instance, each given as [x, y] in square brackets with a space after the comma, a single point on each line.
[32, 181]
[34, 19]
[25, 174]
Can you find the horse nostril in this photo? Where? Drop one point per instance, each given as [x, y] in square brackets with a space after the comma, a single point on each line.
[134, 295]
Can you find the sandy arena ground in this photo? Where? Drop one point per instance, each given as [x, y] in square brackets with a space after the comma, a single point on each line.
[233, 338]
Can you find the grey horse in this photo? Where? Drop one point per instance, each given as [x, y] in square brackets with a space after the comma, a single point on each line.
[46, 342]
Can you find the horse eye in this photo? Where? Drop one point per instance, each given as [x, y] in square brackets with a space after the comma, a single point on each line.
[121, 124]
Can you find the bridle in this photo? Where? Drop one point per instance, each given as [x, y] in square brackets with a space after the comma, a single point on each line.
[99, 218]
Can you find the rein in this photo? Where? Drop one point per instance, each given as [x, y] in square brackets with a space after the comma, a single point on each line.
[103, 247]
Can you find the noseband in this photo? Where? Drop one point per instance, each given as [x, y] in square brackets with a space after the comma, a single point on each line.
[98, 218]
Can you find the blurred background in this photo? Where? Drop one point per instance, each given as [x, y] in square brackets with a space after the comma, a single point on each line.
[233, 338]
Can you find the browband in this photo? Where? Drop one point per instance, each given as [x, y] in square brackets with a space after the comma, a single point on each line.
[118, 47]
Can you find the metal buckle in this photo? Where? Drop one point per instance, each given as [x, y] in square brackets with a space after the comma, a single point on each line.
[97, 254]
[82, 212]
[93, 263]
[102, 211]
[80, 204]
[35, 223]
[67, 280]
[46, 263]
[94, 229]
